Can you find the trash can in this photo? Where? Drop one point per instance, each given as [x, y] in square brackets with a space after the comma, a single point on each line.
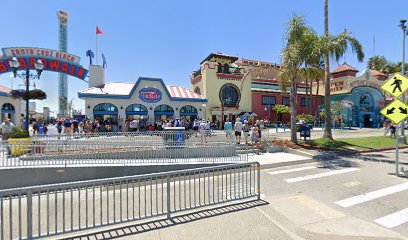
[174, 136]
[305, 131]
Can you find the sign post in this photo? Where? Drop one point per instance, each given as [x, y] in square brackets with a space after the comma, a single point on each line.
[396, 111]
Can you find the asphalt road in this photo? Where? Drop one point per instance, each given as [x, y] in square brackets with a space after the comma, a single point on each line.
[347, 198]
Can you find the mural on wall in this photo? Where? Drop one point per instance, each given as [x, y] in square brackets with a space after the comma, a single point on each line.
[361, 107]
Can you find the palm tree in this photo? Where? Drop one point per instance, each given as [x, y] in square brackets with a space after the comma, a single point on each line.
[299, 46]
[334, 46]
[377, 62]
[314, 73]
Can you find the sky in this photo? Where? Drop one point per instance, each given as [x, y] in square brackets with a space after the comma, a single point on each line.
[168, 39]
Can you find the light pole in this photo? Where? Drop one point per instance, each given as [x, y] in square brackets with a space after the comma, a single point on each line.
[404, 32]
[268, 107]
[39, 66]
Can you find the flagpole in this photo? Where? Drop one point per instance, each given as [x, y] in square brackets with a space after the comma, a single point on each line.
[96, 48]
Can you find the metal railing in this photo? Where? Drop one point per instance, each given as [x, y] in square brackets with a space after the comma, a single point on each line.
[48, 210]
[65, 154]
[141, 136]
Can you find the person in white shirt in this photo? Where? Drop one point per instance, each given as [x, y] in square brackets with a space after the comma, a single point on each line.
[238, 129]
[202, 129]
[208, 128]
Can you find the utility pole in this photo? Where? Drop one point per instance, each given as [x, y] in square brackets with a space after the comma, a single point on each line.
[404, 32]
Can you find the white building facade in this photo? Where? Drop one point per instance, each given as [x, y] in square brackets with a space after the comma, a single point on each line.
[10, 107]
[147, 98]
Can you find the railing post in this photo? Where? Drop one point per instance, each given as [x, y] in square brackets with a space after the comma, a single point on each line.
[29, 215]
[259, 181]
[168, 197]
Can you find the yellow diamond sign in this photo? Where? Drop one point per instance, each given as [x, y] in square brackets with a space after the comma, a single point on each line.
[396, 85]
[396, 111]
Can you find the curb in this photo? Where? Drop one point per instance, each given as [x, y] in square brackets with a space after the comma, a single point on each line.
[286, 164]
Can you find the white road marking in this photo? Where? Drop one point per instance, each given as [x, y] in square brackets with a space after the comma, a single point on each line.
[292, 170]
[394, 219]
[372, 195]
[325, 174]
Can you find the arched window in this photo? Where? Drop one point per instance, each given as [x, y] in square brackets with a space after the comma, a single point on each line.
[105, 107]
[219, 68]
[188, 110]
[164, 109]
[136, 109]
[229, 95]
[7, 107]
[197, 90]
[226, 68]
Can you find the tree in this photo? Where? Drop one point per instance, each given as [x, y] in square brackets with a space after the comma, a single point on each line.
[334, 46]
[280, 109]
[295, 54]
[377, 63]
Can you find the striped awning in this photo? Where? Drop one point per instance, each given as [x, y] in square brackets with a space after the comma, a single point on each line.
[181, 92]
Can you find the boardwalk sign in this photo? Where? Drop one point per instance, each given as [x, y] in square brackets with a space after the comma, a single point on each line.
[53, 60]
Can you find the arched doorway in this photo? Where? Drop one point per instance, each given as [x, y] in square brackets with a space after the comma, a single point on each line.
[163, 112]
[106, 113]
[189, 113]
[8, 111]
[230, 97]
[365, 104]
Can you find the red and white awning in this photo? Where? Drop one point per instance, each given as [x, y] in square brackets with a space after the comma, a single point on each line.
[181, 92]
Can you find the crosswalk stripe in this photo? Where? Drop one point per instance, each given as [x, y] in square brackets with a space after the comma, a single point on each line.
[325, 174]
[292, 170]
[372, 195]
[394, 219]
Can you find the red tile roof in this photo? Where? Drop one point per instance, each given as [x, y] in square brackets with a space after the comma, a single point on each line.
[345, 67]
[377, 73]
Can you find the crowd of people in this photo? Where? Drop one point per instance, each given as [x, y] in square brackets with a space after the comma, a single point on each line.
[250, 131]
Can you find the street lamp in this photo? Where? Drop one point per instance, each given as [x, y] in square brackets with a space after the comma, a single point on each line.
[268, 107]
[404, 32]
[39, 66]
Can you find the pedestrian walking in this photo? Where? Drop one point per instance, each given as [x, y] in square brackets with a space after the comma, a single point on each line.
[6, 128]
[228, 131]
[238, 130]
[386, 127]
[245, 129]
[202, 128]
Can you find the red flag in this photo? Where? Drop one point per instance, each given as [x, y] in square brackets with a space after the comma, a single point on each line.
[98, 31]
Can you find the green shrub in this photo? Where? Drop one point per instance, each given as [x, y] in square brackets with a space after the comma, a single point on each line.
[18, 133]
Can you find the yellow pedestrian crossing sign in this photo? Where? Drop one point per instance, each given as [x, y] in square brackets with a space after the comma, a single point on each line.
[396, 85]
[396, 111]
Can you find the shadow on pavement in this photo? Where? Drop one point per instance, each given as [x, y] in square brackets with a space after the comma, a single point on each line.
[129, 230]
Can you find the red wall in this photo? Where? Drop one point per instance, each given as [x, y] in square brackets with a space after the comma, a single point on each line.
[259, 109]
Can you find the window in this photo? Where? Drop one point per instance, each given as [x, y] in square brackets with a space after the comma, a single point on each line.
[219, 70]
[268, 100]
[304, 102]
[164, 108]
[107, 107]
[197, 90]
[7, 106]
[285, 101]
[136, 108]
[229, 95]
[188, 109]
[226, 68]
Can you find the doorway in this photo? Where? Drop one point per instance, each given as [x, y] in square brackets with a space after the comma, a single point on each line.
[367, 120]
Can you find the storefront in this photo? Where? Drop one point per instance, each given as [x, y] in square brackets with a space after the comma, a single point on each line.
[356, 100]
[146, 100]
[226, 85]
[10, 107]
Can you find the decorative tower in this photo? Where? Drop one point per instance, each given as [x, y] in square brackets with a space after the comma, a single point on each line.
[63, 47]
